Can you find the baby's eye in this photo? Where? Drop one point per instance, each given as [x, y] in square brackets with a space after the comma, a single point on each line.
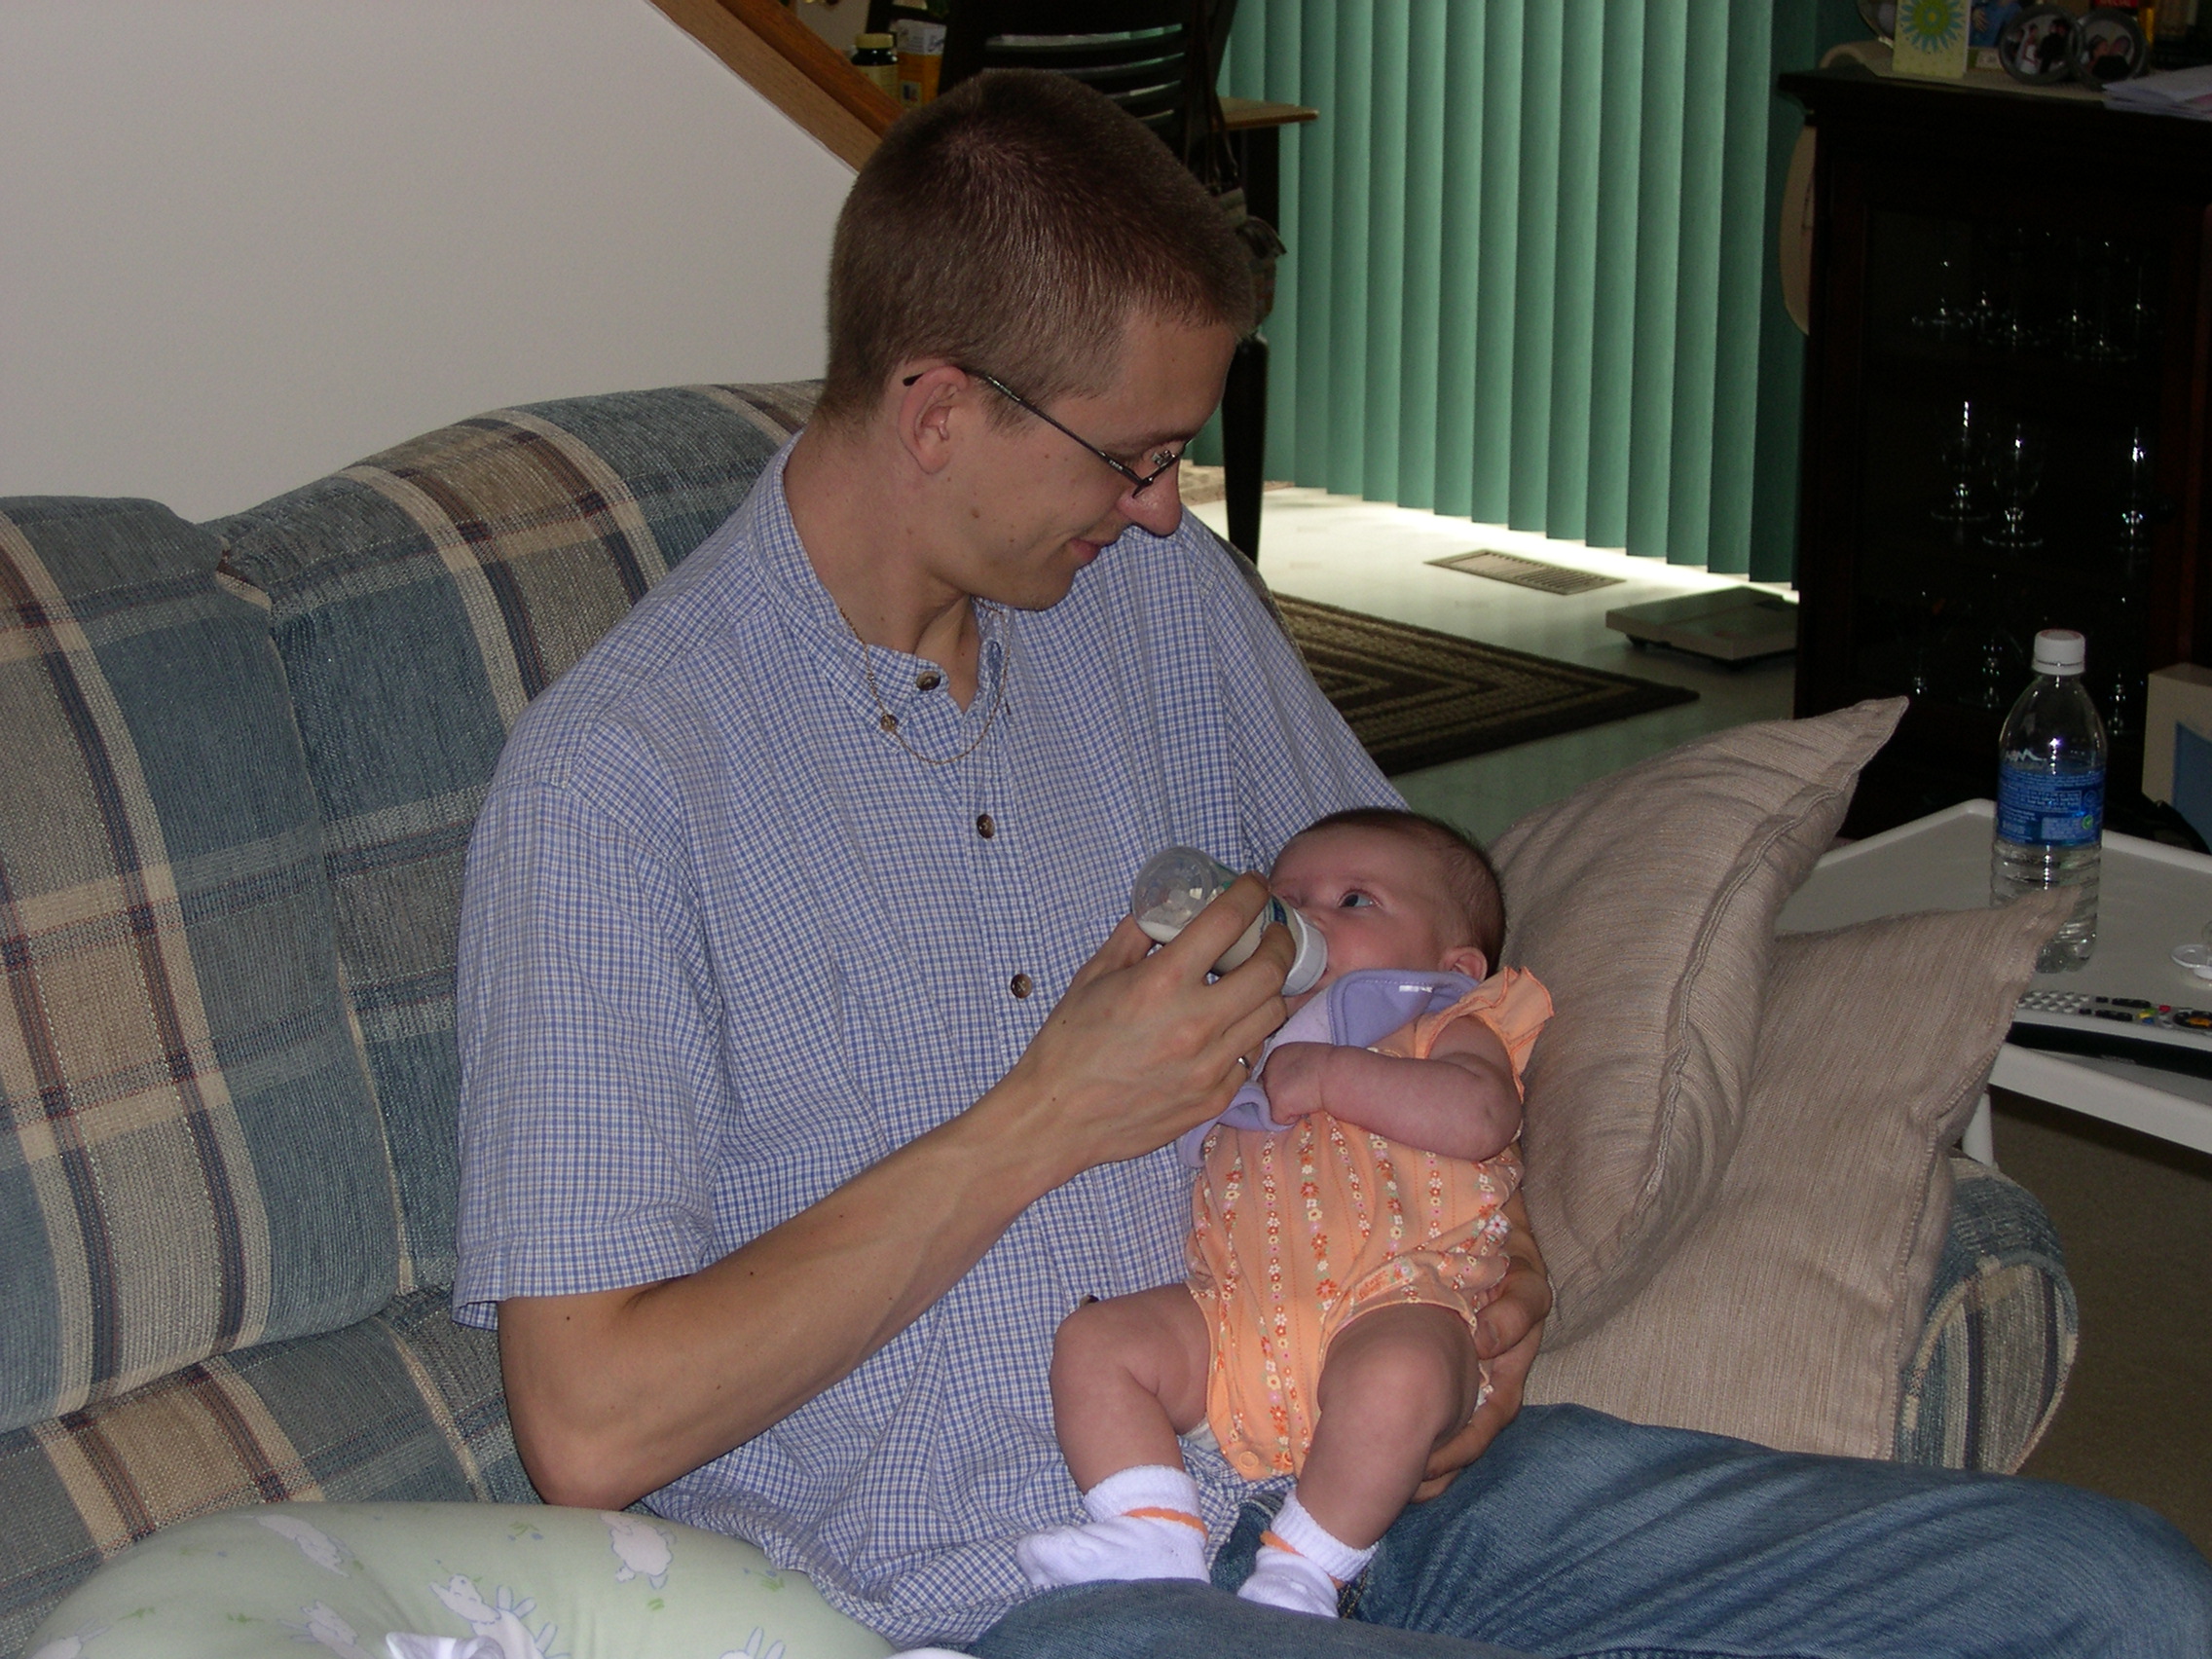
[1354, 901]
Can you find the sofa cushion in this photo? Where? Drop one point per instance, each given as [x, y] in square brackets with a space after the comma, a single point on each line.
[405, 1405]
[420, 600]
[1791, 1305]
[300, 1578]
[189, 1162]
[1645, 902]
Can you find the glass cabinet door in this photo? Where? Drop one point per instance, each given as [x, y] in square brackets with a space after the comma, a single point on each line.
[2013, 384]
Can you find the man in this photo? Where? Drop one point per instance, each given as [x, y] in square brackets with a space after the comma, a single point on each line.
[801, 1100]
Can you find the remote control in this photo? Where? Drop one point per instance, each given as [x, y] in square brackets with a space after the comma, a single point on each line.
[2128, 1028]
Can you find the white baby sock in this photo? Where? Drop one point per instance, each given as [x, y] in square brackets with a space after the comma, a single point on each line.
[1302, 1565]
[1144, 1524]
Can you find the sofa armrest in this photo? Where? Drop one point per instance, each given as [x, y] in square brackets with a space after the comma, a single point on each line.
[2000, 1336]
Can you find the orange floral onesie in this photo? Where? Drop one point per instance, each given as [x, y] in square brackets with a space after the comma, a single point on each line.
[1296, 1232]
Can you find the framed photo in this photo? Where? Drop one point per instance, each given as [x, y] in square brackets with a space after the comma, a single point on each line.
[2036, 45]
[1989, 20]
[2108, 47]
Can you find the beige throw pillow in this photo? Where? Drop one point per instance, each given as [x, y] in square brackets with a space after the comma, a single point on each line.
[1645, 902]
[1787, 1311]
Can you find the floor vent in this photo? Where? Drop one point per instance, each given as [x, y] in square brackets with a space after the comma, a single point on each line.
[1525, 572]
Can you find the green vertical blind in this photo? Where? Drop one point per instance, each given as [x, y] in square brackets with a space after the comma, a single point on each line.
[1529, 268]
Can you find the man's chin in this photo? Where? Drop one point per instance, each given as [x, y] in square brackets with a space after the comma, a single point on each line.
[1040, 592]
[1047, 581]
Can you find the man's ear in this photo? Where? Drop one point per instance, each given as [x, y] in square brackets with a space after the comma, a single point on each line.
[1469, 961]
[928, 412]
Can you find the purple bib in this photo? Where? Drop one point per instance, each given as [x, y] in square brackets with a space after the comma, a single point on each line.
[1358, 1009]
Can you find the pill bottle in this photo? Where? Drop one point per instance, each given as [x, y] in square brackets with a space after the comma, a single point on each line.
[873, 57]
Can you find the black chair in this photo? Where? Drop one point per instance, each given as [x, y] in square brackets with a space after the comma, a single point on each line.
[1136, 52]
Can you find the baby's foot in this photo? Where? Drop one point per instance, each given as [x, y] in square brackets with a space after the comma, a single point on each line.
[1119, 1547]
[1283, 1579]
[1144, 1524]
[1302, 1565]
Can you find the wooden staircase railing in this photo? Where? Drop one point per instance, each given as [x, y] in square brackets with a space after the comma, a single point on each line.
[794, 68]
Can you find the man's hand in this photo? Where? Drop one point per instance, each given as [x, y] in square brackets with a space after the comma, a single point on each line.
[1142, 1048]
[1507, 1334]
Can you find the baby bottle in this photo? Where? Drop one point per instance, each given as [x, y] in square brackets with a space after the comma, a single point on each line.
[1178, 882]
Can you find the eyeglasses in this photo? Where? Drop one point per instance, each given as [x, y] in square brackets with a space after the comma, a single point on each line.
[1139, 482]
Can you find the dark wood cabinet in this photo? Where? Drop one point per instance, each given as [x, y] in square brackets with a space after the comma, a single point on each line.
[2006, 422]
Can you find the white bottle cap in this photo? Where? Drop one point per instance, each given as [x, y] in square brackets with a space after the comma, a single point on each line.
[2060, 651]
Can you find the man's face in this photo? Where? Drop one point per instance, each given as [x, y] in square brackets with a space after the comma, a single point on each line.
[1038, 506]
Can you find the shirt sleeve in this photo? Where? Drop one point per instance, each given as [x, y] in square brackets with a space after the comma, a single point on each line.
[1512, 1002]
[590, 1061]
[1295, 758]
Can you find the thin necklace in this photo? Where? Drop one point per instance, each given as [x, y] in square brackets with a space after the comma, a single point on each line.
[888, 723]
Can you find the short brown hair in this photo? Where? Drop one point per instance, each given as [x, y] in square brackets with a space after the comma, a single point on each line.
[1017, 225]
[1475, 887]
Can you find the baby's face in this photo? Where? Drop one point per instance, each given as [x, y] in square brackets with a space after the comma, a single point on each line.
[1381, 899]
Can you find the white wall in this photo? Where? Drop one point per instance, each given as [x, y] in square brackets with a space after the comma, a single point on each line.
[243, 242]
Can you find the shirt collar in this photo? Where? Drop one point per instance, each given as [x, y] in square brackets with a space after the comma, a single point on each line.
[796, 590]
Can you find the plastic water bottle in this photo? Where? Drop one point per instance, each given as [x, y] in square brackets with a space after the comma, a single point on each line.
[2051, 795]
[1176, 883]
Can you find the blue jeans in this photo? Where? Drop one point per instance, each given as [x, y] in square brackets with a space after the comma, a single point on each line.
[1580, 1535]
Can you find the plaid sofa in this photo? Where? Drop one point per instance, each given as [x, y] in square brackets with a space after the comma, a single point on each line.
[239, 763]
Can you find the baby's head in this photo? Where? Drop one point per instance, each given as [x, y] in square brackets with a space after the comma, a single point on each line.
[1392, 889]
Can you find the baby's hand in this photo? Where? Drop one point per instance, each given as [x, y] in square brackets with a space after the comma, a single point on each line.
[1293, 1080]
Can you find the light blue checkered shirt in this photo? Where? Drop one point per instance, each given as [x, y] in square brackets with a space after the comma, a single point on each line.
[725, 945]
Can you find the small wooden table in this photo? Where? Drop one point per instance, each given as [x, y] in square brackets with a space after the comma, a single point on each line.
[1255, 137]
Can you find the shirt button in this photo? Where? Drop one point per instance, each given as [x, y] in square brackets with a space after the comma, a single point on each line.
[928, 680]
[985, 826]
[1021, 985]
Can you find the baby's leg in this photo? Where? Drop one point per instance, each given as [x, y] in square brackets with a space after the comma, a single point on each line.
[1128, 1375]
[1396, 1383]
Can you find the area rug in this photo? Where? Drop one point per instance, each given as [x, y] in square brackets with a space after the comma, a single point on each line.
[1418, 698]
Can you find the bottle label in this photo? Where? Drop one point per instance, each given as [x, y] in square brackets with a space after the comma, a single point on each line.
[921, 57]
[2051, 809]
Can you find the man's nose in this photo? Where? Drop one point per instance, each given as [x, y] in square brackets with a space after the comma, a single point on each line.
[1159, 509]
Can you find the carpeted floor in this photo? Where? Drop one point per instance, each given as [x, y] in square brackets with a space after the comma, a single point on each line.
[2135, 1216]
[1417, 698]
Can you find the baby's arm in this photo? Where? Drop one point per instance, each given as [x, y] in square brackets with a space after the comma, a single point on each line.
[1461, 1102]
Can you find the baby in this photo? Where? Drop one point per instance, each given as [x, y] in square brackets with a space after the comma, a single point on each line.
[1346, 1226]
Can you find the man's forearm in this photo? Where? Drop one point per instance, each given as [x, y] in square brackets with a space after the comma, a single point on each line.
[615, 1393]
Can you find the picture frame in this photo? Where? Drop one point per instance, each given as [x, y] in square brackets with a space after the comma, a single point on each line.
[2035, 46]
[2109, 45]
